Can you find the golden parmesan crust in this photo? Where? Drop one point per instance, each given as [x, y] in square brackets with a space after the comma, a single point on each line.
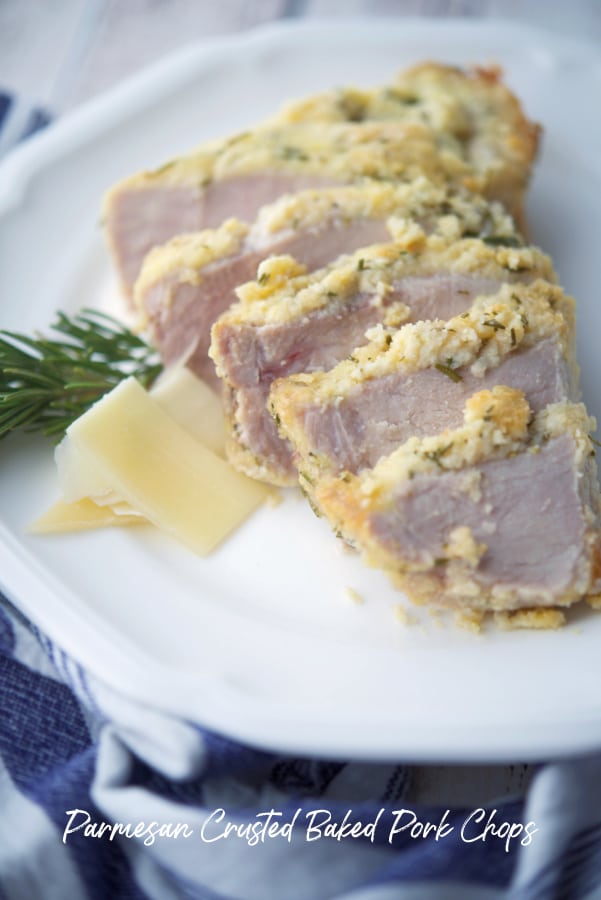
[496, 425]
[471, 106]
[518, 315]
[340, 152]
[244, 460]
[456, 589]
[437, 120]
[458, 101]
[460, 128]
[451, 213]
[187, 254]
[539, 619]
[284, 291]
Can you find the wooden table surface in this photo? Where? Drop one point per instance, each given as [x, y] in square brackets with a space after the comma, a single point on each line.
[58, 54]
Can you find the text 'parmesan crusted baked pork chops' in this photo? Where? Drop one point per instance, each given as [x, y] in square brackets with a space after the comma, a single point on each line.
[188, 282]
[452, 126]
[288, 322]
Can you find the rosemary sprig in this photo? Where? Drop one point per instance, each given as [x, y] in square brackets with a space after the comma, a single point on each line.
[45, 384]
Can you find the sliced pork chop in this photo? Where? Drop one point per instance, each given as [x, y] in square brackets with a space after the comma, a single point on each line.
[467, 108]
[235, 177]
[461, 127]
[415, 381]
[187, 283]
[289, 322]
[498, 514]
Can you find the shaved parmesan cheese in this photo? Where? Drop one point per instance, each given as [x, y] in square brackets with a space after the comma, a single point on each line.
[81, 515]
[77, 477]
[193, 405]
[128, 445]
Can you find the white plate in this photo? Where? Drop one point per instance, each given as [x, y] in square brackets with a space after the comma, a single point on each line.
[260, 641]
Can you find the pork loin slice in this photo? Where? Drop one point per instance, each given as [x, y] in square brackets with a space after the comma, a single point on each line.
[187, 283]
[138, 217]
[470, 108]
[495, 515]
[464, 127]
[235, 177]
[415, 382]
[288, 322]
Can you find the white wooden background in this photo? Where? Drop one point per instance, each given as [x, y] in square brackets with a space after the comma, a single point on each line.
[59, 53]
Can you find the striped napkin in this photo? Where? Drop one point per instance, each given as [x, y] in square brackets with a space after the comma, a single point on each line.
[102, 798]
[18, 120]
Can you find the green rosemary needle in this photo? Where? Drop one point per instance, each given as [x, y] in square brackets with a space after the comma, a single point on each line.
[46, 384]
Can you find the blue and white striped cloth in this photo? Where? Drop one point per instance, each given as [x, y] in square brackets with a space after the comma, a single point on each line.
[105, 799]
[83, 768]
[18, 120]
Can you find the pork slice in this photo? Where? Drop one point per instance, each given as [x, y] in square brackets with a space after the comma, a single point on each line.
[251, 357]
[137, 220]
[442, 295]
[452, 127]
[528, 510]
[181, 312]
[468, 110]
[354, 430]
[140, 217]
[185, 284]
[236, 176]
